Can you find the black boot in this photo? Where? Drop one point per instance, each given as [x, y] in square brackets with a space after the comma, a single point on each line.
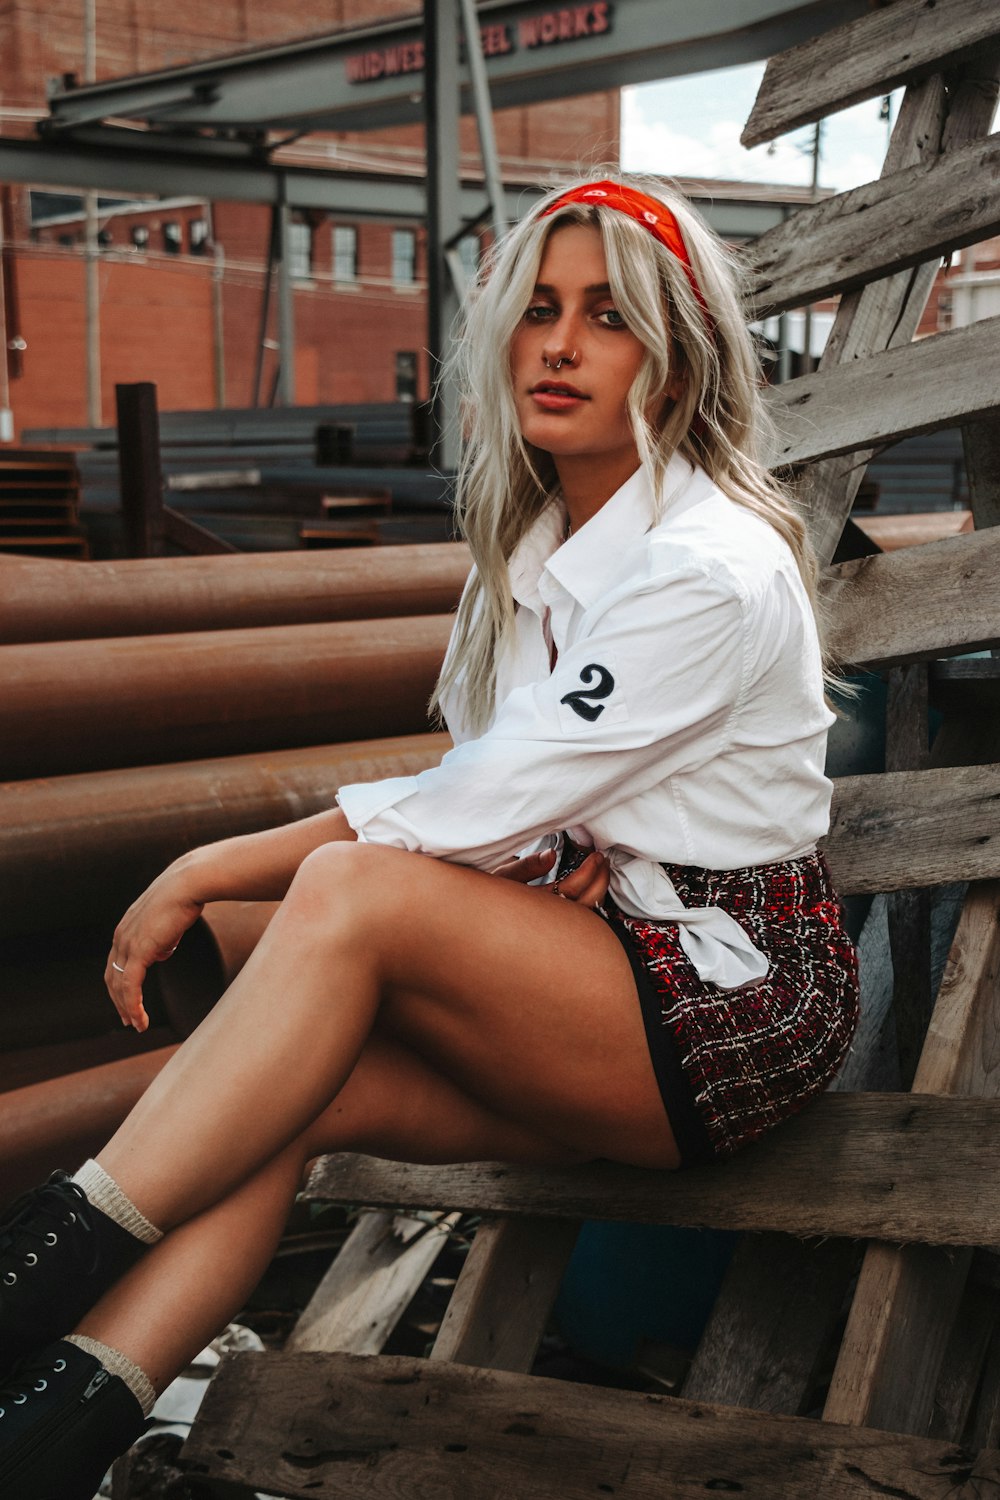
[58, 1255]
[63, 1422]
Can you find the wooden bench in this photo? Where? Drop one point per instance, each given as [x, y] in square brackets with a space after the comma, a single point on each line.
[912, 1404]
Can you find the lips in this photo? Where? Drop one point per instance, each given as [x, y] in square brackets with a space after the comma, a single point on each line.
[557, 388]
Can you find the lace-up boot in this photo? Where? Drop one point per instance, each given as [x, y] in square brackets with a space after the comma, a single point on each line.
[63, 1422]
[58, 1255]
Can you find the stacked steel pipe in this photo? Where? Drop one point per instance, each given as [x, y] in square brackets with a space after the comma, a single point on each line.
[152, 705]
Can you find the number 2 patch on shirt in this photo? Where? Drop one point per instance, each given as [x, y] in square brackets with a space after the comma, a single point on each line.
[595, 698]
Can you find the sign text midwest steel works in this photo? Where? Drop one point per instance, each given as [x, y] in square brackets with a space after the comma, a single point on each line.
[546, 29]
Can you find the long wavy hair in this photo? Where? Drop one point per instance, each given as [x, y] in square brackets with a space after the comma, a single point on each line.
[717, 422]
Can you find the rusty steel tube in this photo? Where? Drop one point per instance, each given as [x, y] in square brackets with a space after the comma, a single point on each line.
[94, 705]
[61, 1122]
[55, 601]
[86, 845]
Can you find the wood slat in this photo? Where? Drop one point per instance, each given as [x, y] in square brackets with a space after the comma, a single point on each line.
[369, 1285]
[884, 226]
[891, 1166]
[941, 381]
[911, 828]
[887, 313]
[907, 1297]
[304, 1425]
[501, 1303]
[874, 622]
[868, 56]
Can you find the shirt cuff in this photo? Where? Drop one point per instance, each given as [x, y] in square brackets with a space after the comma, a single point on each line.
[363, 801]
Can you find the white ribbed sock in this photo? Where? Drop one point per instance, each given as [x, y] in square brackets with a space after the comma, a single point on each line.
[105, 1194]
[118, 1364]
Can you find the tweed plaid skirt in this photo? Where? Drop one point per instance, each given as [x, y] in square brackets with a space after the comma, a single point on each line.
[731, 1064]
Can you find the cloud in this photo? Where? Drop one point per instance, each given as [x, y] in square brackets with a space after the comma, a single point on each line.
[656, 137]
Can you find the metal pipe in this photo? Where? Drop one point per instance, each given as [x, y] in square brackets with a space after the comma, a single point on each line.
[88, 844]
[61, 1122]
[59, 601]
[141, 700]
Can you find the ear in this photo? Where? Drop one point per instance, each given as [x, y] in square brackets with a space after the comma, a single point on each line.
[676, 388]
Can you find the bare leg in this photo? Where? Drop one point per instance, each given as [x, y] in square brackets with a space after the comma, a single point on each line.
[526, 1002]
[197, 1278]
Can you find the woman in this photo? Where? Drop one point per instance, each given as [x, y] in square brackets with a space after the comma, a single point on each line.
[634, 672]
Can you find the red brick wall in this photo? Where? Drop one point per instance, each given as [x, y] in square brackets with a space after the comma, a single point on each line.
[156, 324]
[156, 311]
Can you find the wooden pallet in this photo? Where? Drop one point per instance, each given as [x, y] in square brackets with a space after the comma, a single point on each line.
[864, 1214]
[39, 504]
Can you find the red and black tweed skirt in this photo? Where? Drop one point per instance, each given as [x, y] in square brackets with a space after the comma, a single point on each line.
[732, 1063]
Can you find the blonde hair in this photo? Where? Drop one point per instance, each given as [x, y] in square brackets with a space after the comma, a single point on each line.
[718, 420]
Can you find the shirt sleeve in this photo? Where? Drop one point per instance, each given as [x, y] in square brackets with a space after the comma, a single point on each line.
[651, 689]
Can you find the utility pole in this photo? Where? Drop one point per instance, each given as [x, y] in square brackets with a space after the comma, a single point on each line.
[91, 250]
[807, 359]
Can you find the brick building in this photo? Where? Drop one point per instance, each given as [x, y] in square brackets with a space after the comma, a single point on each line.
[181, 282]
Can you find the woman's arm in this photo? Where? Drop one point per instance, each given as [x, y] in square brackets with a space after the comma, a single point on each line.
[255, 866]
[250, 867]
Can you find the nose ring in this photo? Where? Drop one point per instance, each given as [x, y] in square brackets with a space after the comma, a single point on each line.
[564, 359]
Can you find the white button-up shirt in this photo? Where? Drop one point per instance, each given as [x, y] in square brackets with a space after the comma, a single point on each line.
[684, 720]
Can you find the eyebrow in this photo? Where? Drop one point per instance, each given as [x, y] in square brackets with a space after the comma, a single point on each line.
[600, 286]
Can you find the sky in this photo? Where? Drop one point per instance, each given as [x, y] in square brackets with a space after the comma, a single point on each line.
[690, 127]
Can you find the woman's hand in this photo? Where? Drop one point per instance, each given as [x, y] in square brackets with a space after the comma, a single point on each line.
[588, 884]
[148, 933]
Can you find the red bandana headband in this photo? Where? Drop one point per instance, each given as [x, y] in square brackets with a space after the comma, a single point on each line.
[647, 211]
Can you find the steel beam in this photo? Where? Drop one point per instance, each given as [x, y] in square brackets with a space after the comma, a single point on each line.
[444, 222]
[148, 168]
[372, 77]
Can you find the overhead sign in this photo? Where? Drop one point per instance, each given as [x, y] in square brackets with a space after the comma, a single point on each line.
[548, 28]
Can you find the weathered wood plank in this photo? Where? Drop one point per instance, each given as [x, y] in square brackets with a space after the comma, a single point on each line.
[900, 1321]
[907, 747]
[937, 382]
[887, 313]
[907, 1297]
[501, 1304]
[885, 226]
[981, 443]
[872, 619]
[868, 56]
[389, 1427]
[892, 1166]
[964, 1364]
[774, 1314]
[913, 828]
[369, 1285]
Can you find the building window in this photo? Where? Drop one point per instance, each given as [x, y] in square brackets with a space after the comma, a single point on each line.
[105, 239]
[345, 252]
[469, 251]
[66, 240]
[406, 376]
[198, 236]
[172, 239]
[404, 257]
[300, 250]
[140, 238]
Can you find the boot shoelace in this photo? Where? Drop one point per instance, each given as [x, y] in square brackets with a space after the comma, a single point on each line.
[47, 1206]
[18, 1387]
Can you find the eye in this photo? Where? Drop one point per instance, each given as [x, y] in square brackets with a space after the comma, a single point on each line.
[611, 318]
[538, 312]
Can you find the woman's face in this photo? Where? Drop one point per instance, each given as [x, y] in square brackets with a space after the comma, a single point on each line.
[579, 408]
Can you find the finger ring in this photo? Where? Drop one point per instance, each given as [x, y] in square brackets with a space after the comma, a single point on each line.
[117, 966]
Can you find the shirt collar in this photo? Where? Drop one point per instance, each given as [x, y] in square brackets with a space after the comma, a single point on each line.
[585, 562]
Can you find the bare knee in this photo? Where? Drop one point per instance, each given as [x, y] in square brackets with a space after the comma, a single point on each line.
[351, 887]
